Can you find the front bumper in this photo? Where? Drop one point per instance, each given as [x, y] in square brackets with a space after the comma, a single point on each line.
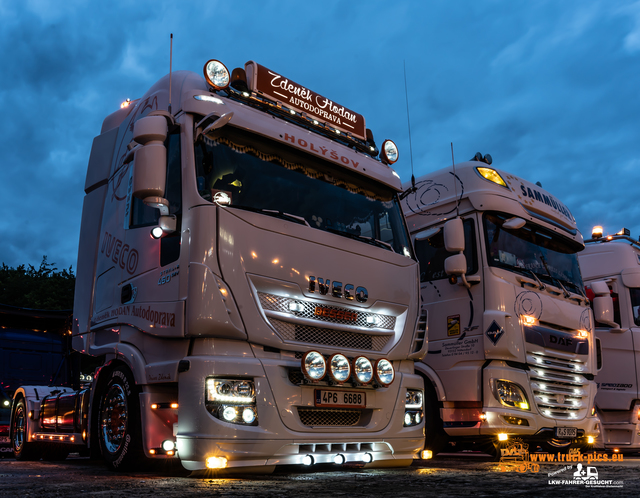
[280, 438]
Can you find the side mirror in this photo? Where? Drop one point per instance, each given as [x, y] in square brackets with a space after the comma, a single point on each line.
[150, 160]
[603, 304]
[455, 265]
[454, 235]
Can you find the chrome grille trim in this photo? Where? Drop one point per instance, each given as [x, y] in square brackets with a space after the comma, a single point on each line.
[327, 337]
[281, 304]
[555, 362]
[559, 391]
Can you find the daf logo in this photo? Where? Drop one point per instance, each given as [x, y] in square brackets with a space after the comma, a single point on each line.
[560, 340]
[349, 291]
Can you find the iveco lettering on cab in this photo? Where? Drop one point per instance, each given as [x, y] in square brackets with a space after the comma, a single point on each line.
[241, 288]
[511, 349]
[611, 270]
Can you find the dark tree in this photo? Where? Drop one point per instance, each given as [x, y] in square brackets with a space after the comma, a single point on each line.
[44, 288]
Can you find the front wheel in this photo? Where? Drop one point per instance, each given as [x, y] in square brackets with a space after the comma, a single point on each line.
[119, 428]
[22, 449]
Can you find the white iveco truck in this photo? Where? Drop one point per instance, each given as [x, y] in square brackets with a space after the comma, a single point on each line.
[241, 284]
[511, 349]
[611, 270]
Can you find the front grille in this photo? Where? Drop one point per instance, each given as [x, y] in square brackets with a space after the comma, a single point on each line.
[327, 337]
[558, 390]
[313, 417]
[281, 304]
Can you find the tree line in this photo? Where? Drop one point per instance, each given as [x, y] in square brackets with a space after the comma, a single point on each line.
[43, 288]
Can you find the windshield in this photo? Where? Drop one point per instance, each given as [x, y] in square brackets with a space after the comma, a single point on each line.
[257, 174]
[533, 249]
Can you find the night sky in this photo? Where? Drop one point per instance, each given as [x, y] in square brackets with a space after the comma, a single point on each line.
[551, 89]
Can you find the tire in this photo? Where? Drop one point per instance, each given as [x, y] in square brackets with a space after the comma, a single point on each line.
[118, 425]
[436, 439]
[23, 450]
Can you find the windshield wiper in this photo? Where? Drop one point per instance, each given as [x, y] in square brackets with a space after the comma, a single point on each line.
[541, 286]
[544, 263]
[275, 213]
[368, 240]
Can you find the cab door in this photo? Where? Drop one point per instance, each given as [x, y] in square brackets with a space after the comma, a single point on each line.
[455, 312]
[617, 381]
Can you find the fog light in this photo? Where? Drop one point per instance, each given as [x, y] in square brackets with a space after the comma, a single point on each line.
[339, 368]
[168, 445]
[407, 419]
[229, 413]
[296, 307]
[363, 369]
[383, 370]
[216, 462]
[373, 320]
[367, 458]
[591, 440]
[339, 459]
[307, 460]
[426, 454]
[502, 436]
[313, 366]
[248, 415]
[418, 418]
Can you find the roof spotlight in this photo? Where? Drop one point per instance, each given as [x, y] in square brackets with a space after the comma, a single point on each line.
[389, 152]
[596, 232]
[217, 74]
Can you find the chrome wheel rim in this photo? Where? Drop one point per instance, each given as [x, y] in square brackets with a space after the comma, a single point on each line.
[18, 429]
[113, 418]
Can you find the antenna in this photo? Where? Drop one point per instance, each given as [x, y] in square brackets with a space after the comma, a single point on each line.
[455, 187]
[170, 63]
[406, 95]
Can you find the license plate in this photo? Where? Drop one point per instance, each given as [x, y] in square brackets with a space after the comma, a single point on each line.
[340, 399]
[566, 432]
[4, 439]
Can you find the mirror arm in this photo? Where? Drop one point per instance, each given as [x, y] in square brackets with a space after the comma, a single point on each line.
[158, 203]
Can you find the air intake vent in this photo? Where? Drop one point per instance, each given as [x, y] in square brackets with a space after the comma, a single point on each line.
[314, 417]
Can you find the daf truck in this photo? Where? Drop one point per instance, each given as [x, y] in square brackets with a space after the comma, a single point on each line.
[511, 345]
[610, 267]
[242, 286]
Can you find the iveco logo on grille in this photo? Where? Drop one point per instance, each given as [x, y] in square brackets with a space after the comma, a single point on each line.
[336, 314]
[349, 291]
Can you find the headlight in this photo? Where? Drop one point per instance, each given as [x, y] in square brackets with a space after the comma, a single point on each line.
[216, 74]
[383, 371]
[413, 407]
[232, 400]
[313, 366]
[363, 369]
[339, 368]
[413, 399]
[510, 394]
